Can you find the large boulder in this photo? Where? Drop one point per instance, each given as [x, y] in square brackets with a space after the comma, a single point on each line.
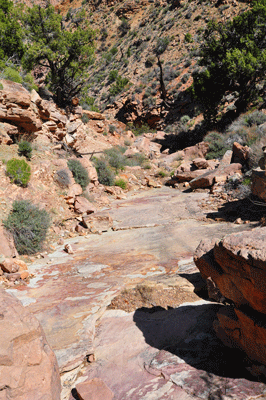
[219, 174]
[28, 367]
[237, 267]
[7, 245]
[15, 107]
[258, 186]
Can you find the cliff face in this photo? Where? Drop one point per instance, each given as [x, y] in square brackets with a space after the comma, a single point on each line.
[235, 269]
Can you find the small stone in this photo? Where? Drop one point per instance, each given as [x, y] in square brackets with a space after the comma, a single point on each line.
[68, 249]
[60, 241]
[238, 221]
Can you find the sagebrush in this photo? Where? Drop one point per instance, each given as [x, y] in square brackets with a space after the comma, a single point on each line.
[28, 225]
[80, 173]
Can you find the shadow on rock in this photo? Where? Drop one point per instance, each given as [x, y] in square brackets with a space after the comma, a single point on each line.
[187, 332]
[200, 286]
[246, 209]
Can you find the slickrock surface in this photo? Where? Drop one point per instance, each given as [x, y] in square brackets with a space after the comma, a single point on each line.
[236, 266]
[167, 354]
[155, 232]
[28, 367]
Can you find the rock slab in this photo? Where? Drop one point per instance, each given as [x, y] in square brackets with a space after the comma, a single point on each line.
[28, 367]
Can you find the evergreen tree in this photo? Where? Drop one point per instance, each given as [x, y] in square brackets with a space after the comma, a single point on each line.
[233, 55]
[67, 53]
[11, 33]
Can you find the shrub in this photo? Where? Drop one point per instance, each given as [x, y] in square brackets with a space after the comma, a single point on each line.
[85, 119]
[121, 183]
[28, 225]
[255, 118]
[115, 158]
[11, 74]
[124, 27]
[62, 178]
[28, 82]
[162, 174]
[184, 119]
[118, 86]
[137, 159]
[217, 145]
[161, 45]
[188, 38]
[111, 128]
[80, 174]
[25, 149]
[105, 173]
[18, 171]
[113, 75]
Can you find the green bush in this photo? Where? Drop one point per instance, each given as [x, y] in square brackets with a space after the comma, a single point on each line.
[162, 174]
[137, 159]
[28, 225]
[25, 149]
[115, 158]
[121, 183]
[124, 27]
[188, 38]
[28, 82]
[18, 171]
[85, 119]
[217, 144]
[255, 118]
[184, 119]
[105, 174]
[80, 174]
[12, 75]
[113, 75]
[161, 45]
[118, 86]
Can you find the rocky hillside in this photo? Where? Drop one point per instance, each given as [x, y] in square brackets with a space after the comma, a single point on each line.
[124, 80]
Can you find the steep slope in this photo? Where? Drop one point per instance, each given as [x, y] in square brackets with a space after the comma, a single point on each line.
[130, 35]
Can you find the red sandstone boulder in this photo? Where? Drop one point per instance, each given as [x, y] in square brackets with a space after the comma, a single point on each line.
[200, 163]
[98, 222]
[94, 389]
[82, 205]
[258, 186]
[240, 154]
[198, 151]
[7, 245]
[187, 176]
[219, 174]
[237, 266]
[28, 367]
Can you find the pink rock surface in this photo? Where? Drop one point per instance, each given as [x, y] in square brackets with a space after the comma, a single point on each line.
[28, 367]
[82, 205]
[94, 389]
[7, 245]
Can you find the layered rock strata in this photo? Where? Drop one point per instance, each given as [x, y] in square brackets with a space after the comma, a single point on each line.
[235, 270]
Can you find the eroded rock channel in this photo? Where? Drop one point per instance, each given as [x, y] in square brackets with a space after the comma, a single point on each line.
[125, 314]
